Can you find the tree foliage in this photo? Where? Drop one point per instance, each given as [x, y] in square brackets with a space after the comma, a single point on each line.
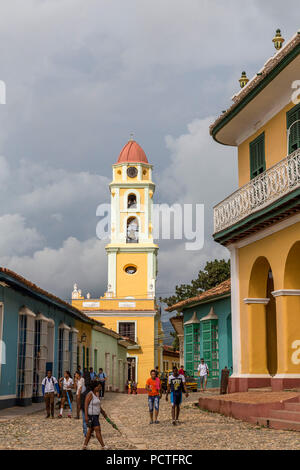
[214, 273]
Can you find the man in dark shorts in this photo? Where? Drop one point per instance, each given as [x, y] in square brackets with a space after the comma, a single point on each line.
[176, 386]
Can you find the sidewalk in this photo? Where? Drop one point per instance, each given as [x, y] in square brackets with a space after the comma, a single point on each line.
[19, 411]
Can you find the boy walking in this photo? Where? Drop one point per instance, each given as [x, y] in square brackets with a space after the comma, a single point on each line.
[102, 377]
[153, 387]
[203, 373]
[49, 386]
[176, 386]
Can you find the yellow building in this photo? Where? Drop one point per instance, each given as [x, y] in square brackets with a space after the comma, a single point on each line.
[260, 222]
[170, 358]
[129, 305]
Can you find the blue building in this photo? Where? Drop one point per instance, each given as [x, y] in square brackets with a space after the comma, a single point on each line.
[37, 333]
[206, 321]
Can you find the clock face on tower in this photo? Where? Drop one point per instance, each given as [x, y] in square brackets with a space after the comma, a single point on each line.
[132, 172]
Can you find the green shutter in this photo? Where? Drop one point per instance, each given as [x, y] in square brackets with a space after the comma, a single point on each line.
[191, 349]
[294, 135]
[210, 348]
[257, 156]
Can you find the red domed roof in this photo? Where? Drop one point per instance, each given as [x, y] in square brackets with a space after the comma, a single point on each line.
[132, 152]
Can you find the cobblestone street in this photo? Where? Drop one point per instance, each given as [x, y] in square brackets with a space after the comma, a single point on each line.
[197, 430]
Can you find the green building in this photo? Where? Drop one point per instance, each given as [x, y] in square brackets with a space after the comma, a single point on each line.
[110, 353]
[207, 331]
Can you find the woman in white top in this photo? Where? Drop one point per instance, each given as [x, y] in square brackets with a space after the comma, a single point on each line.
[66, 384]
[92, 408]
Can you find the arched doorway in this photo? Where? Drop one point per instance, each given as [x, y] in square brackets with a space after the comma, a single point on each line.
[262, 317]
[289, 298]
[292, 268]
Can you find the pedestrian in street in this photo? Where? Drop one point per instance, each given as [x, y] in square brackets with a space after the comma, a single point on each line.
[203, 373]
[102, 377]
[92, 410]
[153, 387]
[80, 388]
[133, 388]
[176, 386]
[157, 371]
[49, 386]
[92, 374]
[181, 371]
[79, 371]
[87, 382]
[66, 385]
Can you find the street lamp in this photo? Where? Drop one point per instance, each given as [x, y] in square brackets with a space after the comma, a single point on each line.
[83, 338]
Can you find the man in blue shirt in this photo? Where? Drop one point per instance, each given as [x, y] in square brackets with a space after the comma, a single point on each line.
[92, 374]
[176, 386]
[102, 377]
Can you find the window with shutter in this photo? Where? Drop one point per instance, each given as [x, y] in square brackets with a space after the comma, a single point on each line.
[257, 156]
[127, 329]
[293, 126]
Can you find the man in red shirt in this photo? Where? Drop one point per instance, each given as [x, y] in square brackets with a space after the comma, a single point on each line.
[153, 387]
[181, 371]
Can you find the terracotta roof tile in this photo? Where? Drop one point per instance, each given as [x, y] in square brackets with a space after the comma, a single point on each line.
[262, 74]
[220, 289]
[41, 291]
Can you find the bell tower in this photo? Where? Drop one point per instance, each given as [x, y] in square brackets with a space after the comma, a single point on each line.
[132, 254]
[128, 307]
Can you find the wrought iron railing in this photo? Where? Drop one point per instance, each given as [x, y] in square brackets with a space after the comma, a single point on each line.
[260, 192]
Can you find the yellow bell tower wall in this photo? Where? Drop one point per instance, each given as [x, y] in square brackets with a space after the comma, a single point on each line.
[132, 285]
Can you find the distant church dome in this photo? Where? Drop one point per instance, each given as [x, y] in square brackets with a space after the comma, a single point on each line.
[132, 152]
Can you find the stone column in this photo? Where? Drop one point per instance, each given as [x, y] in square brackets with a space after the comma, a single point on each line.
[181, 349]
[41, 369]
[74, 349]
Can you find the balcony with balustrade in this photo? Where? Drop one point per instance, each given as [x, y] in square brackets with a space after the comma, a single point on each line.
[269, 198]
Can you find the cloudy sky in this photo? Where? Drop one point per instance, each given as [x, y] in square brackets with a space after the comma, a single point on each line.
[81, 75]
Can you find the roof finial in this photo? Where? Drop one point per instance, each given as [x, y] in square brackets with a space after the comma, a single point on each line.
[131, 139]
[278, 40]
[243, 80]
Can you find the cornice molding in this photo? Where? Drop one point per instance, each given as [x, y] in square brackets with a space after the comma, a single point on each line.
[256, 301]
[286, 292]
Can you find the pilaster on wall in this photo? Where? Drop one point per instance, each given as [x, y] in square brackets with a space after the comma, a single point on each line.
[235, 311]
[288, 324]
[25, 381]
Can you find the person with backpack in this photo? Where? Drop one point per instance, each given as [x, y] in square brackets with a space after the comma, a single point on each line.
[203, 373]
[66, 383]
[102, 377]
[49, 386]
[92, 409]
[176, 385]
